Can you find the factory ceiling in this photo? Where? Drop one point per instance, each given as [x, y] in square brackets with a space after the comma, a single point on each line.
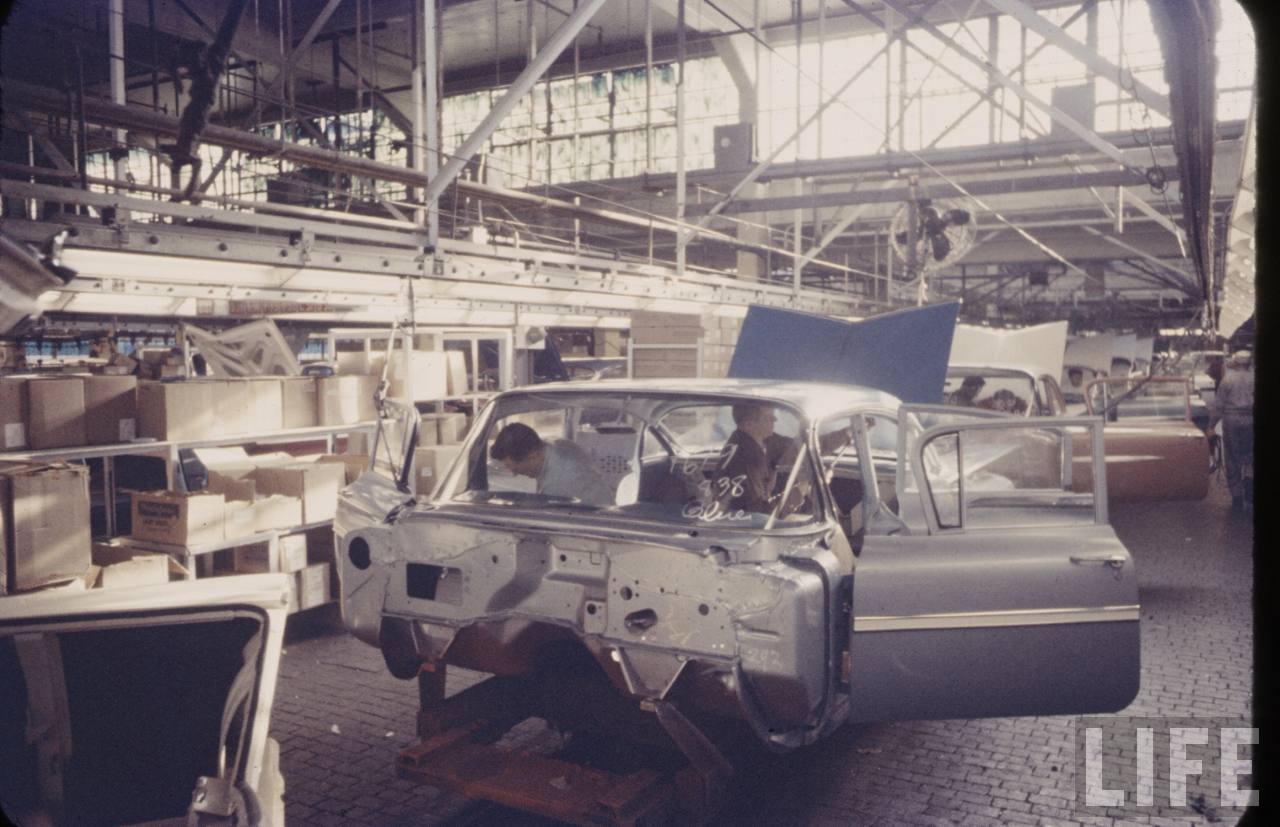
[829, 146]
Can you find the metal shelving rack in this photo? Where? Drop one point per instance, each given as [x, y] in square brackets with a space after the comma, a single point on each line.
[169, 450]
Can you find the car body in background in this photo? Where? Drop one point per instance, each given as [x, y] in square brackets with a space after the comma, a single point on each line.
[908, 565]
[1009, 388]
[1155, 448]
[148, 704]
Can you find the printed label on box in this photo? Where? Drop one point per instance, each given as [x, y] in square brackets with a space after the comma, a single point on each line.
[128, 430]
[157, 510]
[15, 435]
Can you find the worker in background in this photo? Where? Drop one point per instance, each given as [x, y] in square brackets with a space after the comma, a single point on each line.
[966, 395]
[1233, 407]
[561, 467]
[1215, 371]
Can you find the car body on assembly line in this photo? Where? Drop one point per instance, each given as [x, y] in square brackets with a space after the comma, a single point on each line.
[908, 563]
[1155, 443]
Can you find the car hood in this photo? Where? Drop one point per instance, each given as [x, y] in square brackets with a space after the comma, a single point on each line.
[139, 705]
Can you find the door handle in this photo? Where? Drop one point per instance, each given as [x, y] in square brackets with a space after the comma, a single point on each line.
[1116, 561]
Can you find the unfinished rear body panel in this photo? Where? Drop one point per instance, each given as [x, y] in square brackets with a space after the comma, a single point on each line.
[840, 600]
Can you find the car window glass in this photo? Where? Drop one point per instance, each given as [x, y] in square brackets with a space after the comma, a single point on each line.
[656, 458]
[1147, 398]
[1009, 477]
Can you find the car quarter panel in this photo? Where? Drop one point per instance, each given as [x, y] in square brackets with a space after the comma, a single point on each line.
[1148, 463]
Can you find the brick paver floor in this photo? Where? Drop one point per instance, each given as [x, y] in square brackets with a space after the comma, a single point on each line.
[341, 718]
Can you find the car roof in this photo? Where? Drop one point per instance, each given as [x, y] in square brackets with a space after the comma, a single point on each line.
[1006, 369]
[815, 399]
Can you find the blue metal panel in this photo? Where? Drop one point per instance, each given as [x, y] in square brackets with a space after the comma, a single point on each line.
[903, 353]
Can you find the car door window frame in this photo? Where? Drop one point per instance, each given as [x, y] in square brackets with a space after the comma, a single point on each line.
[917, 448]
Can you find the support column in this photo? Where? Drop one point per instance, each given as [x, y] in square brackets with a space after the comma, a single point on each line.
[115, 26]
[431, 103]
[682, 237]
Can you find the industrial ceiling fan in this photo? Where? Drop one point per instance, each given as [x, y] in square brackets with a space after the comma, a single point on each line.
[928, 234]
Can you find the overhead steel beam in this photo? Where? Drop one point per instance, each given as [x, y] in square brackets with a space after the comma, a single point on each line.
[394, 114]
[842, 223]
[1084, 132]
[518, 89]
[762, 165]
[296, 53]
[1159, 217]
[1189, 285]
[1032, 19]
[18, 120]
[935, 189]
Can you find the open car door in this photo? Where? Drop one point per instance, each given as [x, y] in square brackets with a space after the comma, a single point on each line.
[147, 705]
[1016, 598]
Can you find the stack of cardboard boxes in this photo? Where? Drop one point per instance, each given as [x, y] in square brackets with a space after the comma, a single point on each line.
[666, 345]
[719, 338]
[672, 342]
[439, 438]
[244, 496]
[63, 411]
[38, 412]
[295, 556]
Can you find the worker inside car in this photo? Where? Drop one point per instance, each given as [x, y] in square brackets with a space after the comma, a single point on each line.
[561, 468]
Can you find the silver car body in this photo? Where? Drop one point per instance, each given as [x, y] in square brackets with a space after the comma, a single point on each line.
[938, 565]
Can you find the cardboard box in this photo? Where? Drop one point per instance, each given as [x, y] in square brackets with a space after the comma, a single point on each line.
[291, 556]
[293, 552]
[264, 402]
[13, 412]
[179, 518]
[277, 512]
[231, 488]
[233, 414]
[55, 412]
[448, 429]
[313, 586]
[298, 406]
[44, 524]
[457, 369]
[110, 409]
[120, 567]
[354, 464]
[346, 400]
[315, 483]
[228, 471]
[428, 370]
[239, 518]
[177, 410]
[362, 363]
[452, 427]
[430, 465]
[428, 430]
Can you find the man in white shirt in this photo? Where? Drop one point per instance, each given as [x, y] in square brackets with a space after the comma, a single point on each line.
[561, 467]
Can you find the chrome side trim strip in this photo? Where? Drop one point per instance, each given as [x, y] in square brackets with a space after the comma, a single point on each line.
[987, 620]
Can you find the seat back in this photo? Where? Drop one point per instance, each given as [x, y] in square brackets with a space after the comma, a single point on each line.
[612, 449]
